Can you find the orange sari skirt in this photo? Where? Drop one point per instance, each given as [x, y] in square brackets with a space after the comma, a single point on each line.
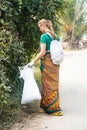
[50, 101]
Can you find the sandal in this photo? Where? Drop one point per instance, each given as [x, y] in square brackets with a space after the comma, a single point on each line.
[59, 113]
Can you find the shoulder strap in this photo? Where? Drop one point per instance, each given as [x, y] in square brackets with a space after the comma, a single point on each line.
[52, 38]
[50, 35]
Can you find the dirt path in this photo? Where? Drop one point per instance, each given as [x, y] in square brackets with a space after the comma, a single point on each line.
[73, 93]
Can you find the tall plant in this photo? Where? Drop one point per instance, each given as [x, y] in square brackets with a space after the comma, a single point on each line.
[73, 21]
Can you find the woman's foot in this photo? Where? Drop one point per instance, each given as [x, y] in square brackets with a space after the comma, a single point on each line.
[41, 110]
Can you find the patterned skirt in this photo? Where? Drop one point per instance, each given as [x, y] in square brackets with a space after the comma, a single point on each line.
[50, 101]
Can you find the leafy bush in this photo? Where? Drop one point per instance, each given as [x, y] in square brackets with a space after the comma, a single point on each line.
[4, 97]
[10, 84]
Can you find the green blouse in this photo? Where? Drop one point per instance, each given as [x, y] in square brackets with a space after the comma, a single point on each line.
[46, 39]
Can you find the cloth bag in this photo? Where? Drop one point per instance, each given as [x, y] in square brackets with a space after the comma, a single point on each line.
[56, 50]
[30, 88]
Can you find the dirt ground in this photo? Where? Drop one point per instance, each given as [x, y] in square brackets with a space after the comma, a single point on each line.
[73, 95]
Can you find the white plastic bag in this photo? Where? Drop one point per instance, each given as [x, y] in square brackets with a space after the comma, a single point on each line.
[30, 89]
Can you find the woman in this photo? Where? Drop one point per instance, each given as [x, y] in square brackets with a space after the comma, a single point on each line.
[50, 101]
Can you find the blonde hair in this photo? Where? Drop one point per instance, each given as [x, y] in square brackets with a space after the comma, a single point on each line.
[48, 23]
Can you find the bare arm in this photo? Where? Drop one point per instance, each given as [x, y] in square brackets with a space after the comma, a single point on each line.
[41, 54]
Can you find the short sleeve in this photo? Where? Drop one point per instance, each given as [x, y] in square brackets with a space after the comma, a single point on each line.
[58, 38]
[43, 39]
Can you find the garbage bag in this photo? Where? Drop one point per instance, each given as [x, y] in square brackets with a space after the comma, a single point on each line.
[30, 88]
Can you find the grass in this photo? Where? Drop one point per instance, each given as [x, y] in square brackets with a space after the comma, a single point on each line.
[11, 115]
[38, 75]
